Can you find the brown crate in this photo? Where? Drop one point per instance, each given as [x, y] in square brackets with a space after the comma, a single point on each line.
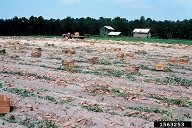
[36, 54]
[91, 61]
[4, 104]
[71, 52]
[173, 60]
[69, 63]
[160, 67]
[118, 49]
[129, 56]
[50, 44]
[131, 69]
[76, 34]
[96, 59]
[103, 49]
[184, 61]
[38, 49]
[120, 55]
[113, 49]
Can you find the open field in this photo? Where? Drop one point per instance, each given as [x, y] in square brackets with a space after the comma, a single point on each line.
[45, 94]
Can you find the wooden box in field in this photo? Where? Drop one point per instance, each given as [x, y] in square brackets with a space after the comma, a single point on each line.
[4, 104]
[50, 44]
[131, 69]
[38, 49]
[36, 54]
[118, 49]
[173, 60]
[113, 49]
[92, 60]
[129, 56]
[71, 52]
[16, 48]
[120, 55]
[160, 67]
[184, 60]
[76, 34]
[96, 59]
[103, 49]
[69, 63]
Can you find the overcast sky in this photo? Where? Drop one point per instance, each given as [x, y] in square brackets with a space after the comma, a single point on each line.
[129, 9]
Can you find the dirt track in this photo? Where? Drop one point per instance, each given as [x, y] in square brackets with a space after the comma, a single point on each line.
[101, 95]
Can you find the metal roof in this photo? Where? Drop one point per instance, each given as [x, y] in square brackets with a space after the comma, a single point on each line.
[114, 33]
[141, 30]
[109, 27]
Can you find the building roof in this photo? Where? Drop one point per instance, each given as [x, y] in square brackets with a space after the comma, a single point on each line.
[141, 30]
[114, 33]
[109, 27]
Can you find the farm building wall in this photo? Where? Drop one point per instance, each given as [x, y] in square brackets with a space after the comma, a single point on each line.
[104, 31]
[142, 35]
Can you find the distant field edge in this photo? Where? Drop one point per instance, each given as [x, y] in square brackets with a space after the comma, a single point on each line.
[149, 40]
[120, 38]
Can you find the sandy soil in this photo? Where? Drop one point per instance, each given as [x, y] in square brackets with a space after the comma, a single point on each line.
[101, 95]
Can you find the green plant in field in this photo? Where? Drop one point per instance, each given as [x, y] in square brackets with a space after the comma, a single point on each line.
[30, 123]
[137, 115]
[93, 108]
[178, 81]
[117, 73]
[50, 98]
[26, 74]
[103, 88]
[149, 110]
[178, 102]
[143, 67]
[21, 92]
[115, 90]
[104, 62]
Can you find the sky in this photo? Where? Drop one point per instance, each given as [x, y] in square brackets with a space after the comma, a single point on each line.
[158, 10]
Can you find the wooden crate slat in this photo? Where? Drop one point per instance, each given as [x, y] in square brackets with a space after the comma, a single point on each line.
[4, 110]
[5, 103]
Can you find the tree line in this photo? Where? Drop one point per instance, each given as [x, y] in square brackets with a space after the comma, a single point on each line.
[39, 26]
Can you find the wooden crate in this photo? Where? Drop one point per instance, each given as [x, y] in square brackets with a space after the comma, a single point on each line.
[118, 49]
[103, 49]
[173, 60]
[68, 51]
[71, 52]
[160, 67]
[4, 104]
[69, 63]
[64, 51]
[50, 44]
[120, 55]
[38, 49]
[91, 61]
[131, 69]
[96, 59]
[184, 61]
[113, 49]
[129, 56]
[141, 51]
[92, 43]
[36, 54]
[76, 34]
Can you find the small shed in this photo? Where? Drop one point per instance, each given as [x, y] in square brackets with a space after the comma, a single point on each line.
[142, 33]
[114, 33]
[106, 30]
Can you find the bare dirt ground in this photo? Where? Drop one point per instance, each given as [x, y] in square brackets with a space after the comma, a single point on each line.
[44, 93]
